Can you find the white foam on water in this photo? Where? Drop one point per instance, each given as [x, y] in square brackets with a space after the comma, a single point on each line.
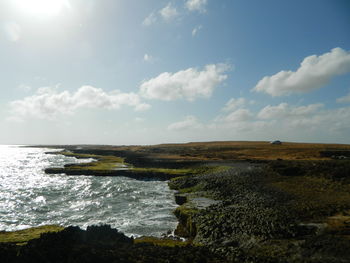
[29, 197]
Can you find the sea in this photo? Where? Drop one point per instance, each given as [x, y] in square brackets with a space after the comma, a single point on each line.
[30, 198]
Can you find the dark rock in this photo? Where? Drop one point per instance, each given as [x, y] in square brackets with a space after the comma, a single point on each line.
[99, 244]
[180, 199]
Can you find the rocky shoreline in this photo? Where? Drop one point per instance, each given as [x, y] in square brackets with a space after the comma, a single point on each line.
[99, 244]
[229, 210]
[255, 221]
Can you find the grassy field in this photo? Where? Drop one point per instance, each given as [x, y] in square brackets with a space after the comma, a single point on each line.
[236, 150]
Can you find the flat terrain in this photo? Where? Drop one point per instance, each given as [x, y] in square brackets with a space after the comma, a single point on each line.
[235, 150]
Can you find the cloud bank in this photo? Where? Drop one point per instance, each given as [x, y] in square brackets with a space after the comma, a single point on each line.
[48, 103]
[188, 84]
[311, 122]
[314, 72]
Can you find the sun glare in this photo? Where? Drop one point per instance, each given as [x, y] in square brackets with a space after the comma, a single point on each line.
[42, 7]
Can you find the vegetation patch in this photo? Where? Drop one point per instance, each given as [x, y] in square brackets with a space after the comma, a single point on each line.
[162, 171]
[194, 189]
[102, 164]
[314, 198]
[21, 237]
[186, 227]
[335, 170]
[243, 150]
[107, 164]
[77, 155]
[196, 170]
[163, 242]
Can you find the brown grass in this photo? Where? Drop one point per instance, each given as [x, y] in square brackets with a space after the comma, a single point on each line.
[238, 150]
[339, 224]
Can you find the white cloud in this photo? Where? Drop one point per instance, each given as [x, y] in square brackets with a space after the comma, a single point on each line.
[236, 119]
[185, 84]
[196, 30]
[150, 19]
[239, 115]
[233, 104]
[238, 123]
[330, 122]
[48, 103]
[313, 73]
[169, 12]
[284, 110]
[141, 106]
[190, 122]
[13, 31]
[311, 122]
[196, 5]
[345, 99]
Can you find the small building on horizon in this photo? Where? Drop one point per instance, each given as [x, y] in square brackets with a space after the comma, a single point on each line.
[277, 142]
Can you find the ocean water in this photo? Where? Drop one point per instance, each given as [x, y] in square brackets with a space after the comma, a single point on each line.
[29, 197]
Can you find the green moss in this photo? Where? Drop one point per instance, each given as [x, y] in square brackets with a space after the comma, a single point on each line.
[186, 227]
[210, 169]
[103, 162]
[197, 170]
[185, 211]
[99, 165]
[162, 170]
[79, 155]
[21, 237]
[193, 189]
[163, 242]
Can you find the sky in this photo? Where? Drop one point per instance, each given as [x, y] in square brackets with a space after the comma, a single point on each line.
[126, 72]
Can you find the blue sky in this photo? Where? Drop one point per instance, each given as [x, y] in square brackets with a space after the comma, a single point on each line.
[146, 72]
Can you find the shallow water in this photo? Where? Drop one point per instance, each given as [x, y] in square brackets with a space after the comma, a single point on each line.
[29, 197]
